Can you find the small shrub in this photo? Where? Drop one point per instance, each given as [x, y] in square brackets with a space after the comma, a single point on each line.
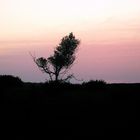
[94, 83]
[9, 81]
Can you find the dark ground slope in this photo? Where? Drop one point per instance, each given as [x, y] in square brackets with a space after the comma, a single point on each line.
[87, 109]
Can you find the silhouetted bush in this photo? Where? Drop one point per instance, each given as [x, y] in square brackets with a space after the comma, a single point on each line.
[10, 81]
[94, 83]
[58, 85]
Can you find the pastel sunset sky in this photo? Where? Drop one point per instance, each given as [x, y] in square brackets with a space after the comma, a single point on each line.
[109, 31]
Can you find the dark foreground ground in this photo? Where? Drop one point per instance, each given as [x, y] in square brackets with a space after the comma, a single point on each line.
[108, 110]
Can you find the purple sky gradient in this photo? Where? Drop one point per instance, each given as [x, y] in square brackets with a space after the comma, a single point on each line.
[109, 32]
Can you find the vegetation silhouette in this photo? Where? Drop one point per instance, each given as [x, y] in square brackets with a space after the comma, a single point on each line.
[80, 107]
[10, 81]
[58, 65]
[94, 83]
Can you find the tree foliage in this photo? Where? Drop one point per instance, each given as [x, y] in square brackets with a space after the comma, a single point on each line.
[58, 64]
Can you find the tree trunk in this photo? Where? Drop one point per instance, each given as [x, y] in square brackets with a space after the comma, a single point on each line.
[56, 77]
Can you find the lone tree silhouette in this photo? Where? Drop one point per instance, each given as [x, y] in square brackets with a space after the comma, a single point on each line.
[58, 64]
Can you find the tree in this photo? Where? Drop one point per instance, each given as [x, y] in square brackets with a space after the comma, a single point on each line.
[58, 64]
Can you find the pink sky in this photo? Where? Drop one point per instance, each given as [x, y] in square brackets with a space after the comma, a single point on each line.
[109, 32]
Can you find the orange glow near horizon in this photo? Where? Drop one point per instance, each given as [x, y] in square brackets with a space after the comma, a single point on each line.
[103, 26]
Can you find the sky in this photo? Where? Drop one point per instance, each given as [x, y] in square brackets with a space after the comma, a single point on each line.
[109, 31]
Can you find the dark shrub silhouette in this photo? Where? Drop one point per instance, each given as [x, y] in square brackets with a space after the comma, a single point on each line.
[94, 83]
[10, 81]
[57, 65]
